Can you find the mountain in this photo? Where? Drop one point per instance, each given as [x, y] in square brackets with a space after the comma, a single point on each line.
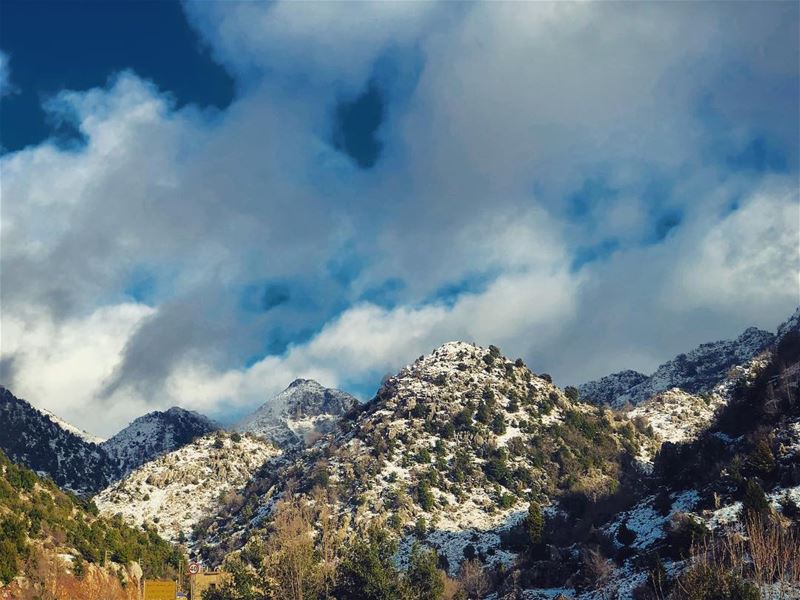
[51, 447]
[450, 451]
[605, 390]
[791, 324]
[56, 546]
[696, 372]
[84, 435]
[678, 416]
[174, 492]
[81, 463]
[154, 434]
[299, 414]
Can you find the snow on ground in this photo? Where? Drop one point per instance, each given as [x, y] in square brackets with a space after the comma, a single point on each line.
[677, 416]
[647, 523]
[84, 435]
[175, 491]
[730, 514]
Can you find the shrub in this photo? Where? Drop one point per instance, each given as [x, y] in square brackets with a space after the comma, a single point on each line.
[625, 535]
[507, 500]
[754, 500]
[498, 424]
[572, 393]
[425, 495]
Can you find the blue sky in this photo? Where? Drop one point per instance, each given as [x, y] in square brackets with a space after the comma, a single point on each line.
[202, 201]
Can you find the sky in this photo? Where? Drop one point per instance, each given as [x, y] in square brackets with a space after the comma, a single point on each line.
[203, 201]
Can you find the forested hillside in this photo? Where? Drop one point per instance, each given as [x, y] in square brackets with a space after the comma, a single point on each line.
[52, 542]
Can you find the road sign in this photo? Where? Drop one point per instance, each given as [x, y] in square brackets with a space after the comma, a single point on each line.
[159, 589]
[194, 568]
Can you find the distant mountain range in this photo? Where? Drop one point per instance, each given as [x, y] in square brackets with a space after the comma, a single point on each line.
[696, 372]
[85, 464]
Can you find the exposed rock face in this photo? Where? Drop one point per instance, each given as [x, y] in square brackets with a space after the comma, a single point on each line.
[96, 583]
[154, 434]
[299, 414]
[44, 444]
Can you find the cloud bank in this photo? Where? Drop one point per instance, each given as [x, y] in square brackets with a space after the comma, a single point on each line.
[589, 186]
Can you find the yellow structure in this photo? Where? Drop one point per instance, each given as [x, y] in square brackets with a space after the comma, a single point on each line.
[159, 589]
[206, 580]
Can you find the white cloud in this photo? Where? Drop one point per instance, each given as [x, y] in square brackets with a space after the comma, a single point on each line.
[62, 365]
[516, 106]
[367, 341]
[751, 257]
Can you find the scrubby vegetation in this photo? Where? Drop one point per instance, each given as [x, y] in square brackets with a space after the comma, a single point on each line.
[291, 564]
[36, 515]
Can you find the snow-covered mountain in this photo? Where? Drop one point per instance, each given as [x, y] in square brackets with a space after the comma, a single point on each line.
[154, 434]
[696, 372]
[52, 447]
[299, 414]
[791, 324]
[606, 389]
[455, 445]
[678, 416]
[85, 435]
[176, 491]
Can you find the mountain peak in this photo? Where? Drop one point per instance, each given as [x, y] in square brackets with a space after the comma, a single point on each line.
[48, 445]
[301, 412]
[301, 382]
[156, 433]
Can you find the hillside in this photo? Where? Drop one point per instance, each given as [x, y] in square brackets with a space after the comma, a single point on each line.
[41, 442]
[82, 463]
[174, 492]
[154, 434]
[696, 372]
[678, 416]
[450, 451]
[52, 542]
[299, 415]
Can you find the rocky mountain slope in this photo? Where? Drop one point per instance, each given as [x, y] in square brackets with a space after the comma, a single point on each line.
[174, 492]
[42, 443]
[154, 434]
[606, 390]
[449, 451]
[299, 414]
[696, 372]
[678, 416]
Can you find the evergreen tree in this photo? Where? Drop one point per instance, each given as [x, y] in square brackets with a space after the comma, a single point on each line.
[368, 572]
[425, 580]
[754, 501]
[534, 524]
